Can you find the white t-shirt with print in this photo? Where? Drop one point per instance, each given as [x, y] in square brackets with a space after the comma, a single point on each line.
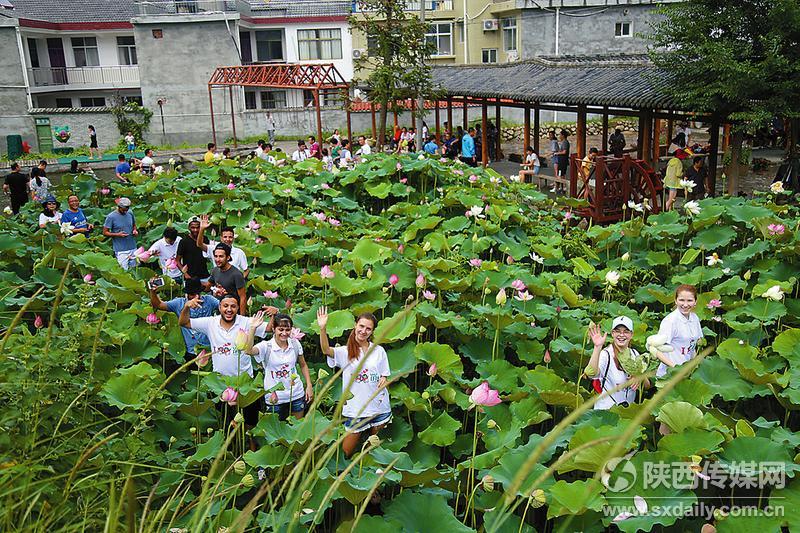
[226, 358]
[165, 253]
[532, 159]
[682, 334]
[365, 383]
[55, 219]
[611, 377]
[279, 365]
[345, 157]
[238, 257]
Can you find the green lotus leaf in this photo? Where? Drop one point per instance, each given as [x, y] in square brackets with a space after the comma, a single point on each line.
[209, 449]
[746, 213]
[396, 327]
[680, 416]
[132, 387]
[370, 524]
[691, 442]
[417, 511]
[266, 457]
[448, 363]
[441, 432]
[714, 238]
[594, 457]
[762, 454]
[575, 498]
[338, 322]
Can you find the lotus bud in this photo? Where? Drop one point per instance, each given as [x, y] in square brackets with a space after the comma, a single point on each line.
[229, 395]
[501, 297]
[394, 280]
[210, 431]
[152, 319]
[426, 395]
[432, 370]
[420, 281]
[474, 237]
[248, 481]
[491, 424]
[202, 358]
[487, 290]
[239, 467]
[239, 418]
[88, 279]
[38, 322]
[747, 275]
[193, 430]
[510, 260]
[400, 249]
[547, 357]
[426, 247]
[537, 498]
[488, 483]
[369, 273]
[626, 256]
[423, 329]
[173, 439]
[374, 441]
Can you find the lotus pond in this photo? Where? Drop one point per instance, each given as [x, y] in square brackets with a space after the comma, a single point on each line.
[100, 432]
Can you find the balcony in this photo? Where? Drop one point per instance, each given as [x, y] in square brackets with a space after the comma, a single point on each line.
[184, 7]
[413, 5]
[112, 77]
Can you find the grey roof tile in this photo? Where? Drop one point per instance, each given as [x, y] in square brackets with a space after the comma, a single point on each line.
[298, 8]
[61, 11]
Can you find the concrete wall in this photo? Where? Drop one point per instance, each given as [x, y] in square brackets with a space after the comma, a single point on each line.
[178, 66]
[584, 35]
[103, 121]
[13, 91]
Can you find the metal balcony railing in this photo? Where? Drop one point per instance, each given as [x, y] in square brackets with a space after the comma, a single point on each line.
[184, 7]
[413, 5]
[112, 76]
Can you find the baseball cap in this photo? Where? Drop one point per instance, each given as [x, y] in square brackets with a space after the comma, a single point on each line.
[124, 202]
[193, 219]
[622, 321]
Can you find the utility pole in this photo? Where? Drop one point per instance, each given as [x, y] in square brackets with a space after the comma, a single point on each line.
[419, 141]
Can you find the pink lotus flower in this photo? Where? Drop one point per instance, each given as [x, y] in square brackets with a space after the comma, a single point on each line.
[171, 264]
[568, 215]
[259, 240]
[288, 304]
[38, 322]
[319, 216]
[231, 186]
[88, 279]
[270, 294]
[459, 172]
[432, 370]
[253, 225]
[273, 398]
[473, 178]
[468, 213]
[523, 296]
[518, 285]
[776, 229]
[713, 304]
[302, 221]
[400, 249]
[222, 201]
[287, 191]
[420, 281]
[399, 166]
[428, 295]
[333, 222]
[547, 357]
[509, 260]
[324, 186]
[442, 160]
[485, 396]
[297, 334]
[326, 272]
[152, 319]
[393, 280]
[475, 262]
[105, 191]
[229, 396]
[202, 358]
[403, 180]
[142, 254]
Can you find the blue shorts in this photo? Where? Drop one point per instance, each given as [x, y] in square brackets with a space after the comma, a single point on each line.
[131, 147]
[297, 406]
[357, 425]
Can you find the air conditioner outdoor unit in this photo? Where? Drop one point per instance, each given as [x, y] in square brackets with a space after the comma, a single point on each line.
[358, 53]
[512, 56]
[491, 25]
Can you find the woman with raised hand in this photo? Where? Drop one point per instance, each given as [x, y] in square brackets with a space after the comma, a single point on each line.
[279, 356]
[605, 365]
[365, 368]
[680, 330]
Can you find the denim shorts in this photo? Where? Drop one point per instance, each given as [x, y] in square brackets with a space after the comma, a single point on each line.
[298, 405]
[357, 425]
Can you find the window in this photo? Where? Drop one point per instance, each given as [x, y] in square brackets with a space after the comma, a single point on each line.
[126, 50]
[319, 44]
[85, 51]
[273, 99]
[250, 100]
[269, 45]
[509, 26]
[132, 99]
[93, 102]
[489, 55]
[64, 103]
[440, 35]
[460, 32]
[33, 51]
[623, 29]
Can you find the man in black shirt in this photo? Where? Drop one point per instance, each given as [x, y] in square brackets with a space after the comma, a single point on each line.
[16, 186]
[698, 173]
[190, 258]
[226, 278]
[616, 143]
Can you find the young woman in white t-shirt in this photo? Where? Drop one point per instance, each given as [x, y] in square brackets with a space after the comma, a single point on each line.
[607, 371]
[279, 357]
[531, 165]
[681, 329]
[365, 368]
[50, 213]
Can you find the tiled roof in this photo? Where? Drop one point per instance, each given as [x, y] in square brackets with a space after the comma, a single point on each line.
[66, 11]
[298, 8]
[628, 81]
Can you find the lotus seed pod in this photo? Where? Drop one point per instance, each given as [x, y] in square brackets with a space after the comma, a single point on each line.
[173, 440]
[425, 395]
[369, 273]
[239, 467]
[488, 483]
[422, 329]
[747, 275]
[720, 515]
[306, 495]
[538, 498]
[322, 373]
[239, 418]
[248, 480]
[589, 371]
[193, 430]
[210, 431]
[474, 237]
[374, 440]
[491, 424]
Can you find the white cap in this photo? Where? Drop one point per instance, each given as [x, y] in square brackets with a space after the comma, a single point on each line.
[622, 321]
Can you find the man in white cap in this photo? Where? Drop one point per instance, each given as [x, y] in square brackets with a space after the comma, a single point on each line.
[120, 225]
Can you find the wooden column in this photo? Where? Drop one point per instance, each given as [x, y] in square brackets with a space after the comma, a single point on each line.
[317, 104]
[349, 122]
[581, 133]
[395, 115]
[213, 125]
[450, 114]
[670, 129]
[497, 119]
[233, 118]
[656, 140]
[374, 126]
[726, 137]
[713, 157]
[464, 117]
[413, 113]
[526, 133]
[639, 137]
[604, 142]
[484, 139]
[536, 127]
[646, 135]
[436, 115]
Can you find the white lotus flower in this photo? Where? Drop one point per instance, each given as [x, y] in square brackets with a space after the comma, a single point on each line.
[66, 228]
[536, 258]
[713, 259]
[612, 277]
[158, 170]
[636, 207]
[687, 185]
[774, 293]
[626, 256]
[777, 187]
[172, 161]
[477, 212]
[692, 208]
[7, 210]
[494, 180]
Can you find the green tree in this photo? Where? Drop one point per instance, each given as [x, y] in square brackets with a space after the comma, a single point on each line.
[736, 59]
[396, 63]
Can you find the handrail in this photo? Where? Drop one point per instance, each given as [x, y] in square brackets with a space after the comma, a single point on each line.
[114, 75]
